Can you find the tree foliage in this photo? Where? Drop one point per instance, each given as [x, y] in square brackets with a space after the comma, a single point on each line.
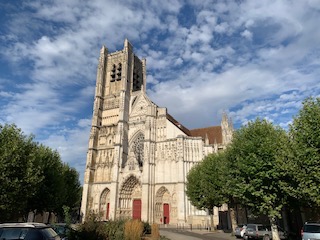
[205, 183]
[48, 193]
[305, 166]
[72, 189]
[33, 177]
[19, 173]
[265, 168]
[254, 157]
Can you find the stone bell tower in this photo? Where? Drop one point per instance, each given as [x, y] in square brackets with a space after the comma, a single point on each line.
[120, 74]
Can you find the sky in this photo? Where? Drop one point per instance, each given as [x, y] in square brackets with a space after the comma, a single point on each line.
[246, 58]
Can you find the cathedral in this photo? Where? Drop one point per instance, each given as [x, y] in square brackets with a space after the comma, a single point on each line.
[139, 155]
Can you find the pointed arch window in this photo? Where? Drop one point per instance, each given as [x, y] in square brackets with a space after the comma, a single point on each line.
[119, 70]
[113, 73]
[138, 149]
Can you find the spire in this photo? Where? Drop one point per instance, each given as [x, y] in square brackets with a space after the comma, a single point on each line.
[227, 128]
[103, 49]
[224, 117]
[230, 123]
[103, 52]
[127, 44]
[206, 141]
[215, 145]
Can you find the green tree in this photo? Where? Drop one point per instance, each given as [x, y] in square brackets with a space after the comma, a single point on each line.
[255, 157]
[19, 173]
[33, 177]
[193, 187]
[205, 186]
[59, 187]
[305, 166]
[72, 190]
[49, 191]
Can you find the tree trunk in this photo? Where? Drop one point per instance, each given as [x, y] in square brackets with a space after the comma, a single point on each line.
[285, 219]
[274, 228]
[210, 211]
[233, 218]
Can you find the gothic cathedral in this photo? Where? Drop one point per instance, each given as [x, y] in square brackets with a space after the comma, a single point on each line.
[139, 155]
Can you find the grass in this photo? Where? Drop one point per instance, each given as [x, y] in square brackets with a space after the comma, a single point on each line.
[133, 230]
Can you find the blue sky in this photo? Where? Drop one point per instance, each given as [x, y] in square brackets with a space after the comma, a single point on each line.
[247, 58]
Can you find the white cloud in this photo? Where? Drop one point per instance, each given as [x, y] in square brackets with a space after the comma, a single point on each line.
[72, 145]
[201, 61]
[247, 34]
[152, 80]
[6, 94]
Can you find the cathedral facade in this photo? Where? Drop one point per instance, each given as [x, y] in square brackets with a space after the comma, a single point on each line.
[139, 155]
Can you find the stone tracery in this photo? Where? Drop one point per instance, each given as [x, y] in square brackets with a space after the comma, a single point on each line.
[138, 148]
[136, 153]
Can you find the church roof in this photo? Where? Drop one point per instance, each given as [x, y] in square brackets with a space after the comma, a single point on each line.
[179, 125]
[213, 133]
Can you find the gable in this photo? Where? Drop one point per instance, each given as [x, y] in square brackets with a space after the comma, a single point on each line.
[139, 105]
[178, 125]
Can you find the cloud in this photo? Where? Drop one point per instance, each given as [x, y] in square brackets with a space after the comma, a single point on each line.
[152, 80]
[247, 34]
[72, 144]
[5, 94]
[249, 58]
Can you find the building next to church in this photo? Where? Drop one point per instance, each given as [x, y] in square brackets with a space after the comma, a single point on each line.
[139, 155]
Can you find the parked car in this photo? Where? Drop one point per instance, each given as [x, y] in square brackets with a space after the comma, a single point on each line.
[27, 231]
[61, 229]
[260, 231]
[310, 231]
[240, 230]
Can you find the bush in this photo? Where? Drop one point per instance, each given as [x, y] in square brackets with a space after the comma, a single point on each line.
[90, 230]
[133, 230]
[155, 233]
[115, 230]
[95, 230]
[146, 228]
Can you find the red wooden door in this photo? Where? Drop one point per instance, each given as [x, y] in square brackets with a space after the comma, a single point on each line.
[166, 214]
[108, 209]
[136, 209]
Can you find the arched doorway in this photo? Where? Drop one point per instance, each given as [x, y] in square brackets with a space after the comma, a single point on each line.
[162, 206]
[130, 199]
[105, 204]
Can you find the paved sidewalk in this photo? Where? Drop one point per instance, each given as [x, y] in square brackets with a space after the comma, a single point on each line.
[216, 234]
[177, 236]
[187, 234]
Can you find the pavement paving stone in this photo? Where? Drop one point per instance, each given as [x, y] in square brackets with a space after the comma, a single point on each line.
[177, 236]
[187, 234]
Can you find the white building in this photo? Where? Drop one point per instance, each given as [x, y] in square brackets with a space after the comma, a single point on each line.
[139, 156]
